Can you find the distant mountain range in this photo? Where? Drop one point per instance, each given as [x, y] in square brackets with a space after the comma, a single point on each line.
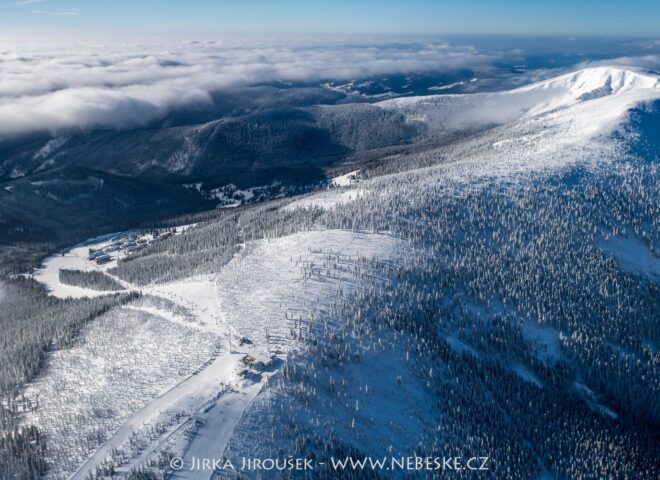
[299, 136]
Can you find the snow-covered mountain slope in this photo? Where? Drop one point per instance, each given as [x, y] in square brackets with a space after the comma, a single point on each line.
[272, 293]
[298, 145]
[264, 304]
[596, 82]
[549, 124]
[491, 275]
[612, 90]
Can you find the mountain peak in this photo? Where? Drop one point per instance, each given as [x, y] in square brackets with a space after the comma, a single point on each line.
[594, 82]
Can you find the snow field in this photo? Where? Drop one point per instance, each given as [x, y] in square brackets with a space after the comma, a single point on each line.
[328, 199]
[158, 378]
[119, 363]
[612, 85]
[269, 294]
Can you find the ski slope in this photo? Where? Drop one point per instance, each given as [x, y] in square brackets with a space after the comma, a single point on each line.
[261, 304]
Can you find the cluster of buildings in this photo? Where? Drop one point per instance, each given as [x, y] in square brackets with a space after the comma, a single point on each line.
[126, 245]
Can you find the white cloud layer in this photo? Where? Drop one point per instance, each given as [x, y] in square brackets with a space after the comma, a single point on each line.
[120, 86]
[29, 2]
[56, 11]
[648, 62]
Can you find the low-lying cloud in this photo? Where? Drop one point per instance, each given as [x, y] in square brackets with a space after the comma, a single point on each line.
[59, 12]
[646, 62]
[122, 86]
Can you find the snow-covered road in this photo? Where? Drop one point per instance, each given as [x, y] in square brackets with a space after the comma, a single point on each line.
[192, 395]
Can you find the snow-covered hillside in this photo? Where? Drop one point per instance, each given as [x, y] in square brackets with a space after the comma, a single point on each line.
[261, 305]
[596, 82]
[610, 90]
[545, 126]
[494, 295]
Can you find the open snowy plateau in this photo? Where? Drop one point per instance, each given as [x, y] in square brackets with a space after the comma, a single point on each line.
[249, 357]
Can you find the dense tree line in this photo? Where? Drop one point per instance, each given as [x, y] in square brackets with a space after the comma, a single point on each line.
[33, 323]
[89, 279]
[22, 451]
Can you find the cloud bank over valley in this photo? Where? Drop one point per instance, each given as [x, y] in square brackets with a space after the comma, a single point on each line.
[74, 86]
[46, 88]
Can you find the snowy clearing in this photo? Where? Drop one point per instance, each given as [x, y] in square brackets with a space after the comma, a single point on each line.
[269, 296]
[346, 179]
[158, 375]
[327, 199]
[632, 255]
[275, 286]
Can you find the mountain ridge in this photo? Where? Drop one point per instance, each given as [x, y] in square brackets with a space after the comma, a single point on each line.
[303, 145]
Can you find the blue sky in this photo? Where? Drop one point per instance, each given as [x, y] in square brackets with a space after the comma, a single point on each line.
[388, 17]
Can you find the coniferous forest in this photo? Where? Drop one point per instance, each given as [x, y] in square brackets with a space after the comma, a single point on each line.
[362, 260]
